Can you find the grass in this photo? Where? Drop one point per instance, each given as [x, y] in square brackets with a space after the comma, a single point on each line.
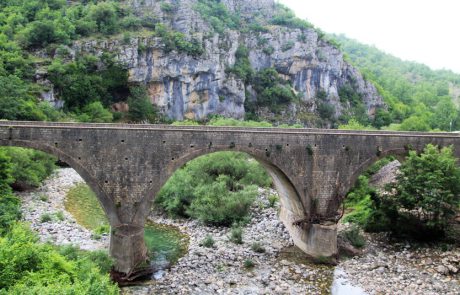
[257, 247]
[272, 200]
[355, 238]
[236, 235]
[82, 203]
[45, 218]
[249, 264]
[208, 242]
[60, 216]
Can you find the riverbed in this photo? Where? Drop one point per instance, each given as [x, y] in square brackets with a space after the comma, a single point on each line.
[279, 269]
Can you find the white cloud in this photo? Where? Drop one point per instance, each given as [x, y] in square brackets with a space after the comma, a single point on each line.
[425, 31]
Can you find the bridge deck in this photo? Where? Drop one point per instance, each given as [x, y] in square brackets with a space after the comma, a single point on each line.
[59, 125]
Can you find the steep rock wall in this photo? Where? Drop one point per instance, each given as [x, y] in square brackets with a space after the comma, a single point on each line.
[183, 86]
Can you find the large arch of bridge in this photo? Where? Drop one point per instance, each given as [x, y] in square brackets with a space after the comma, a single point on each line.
[105, 202]
[289, 196]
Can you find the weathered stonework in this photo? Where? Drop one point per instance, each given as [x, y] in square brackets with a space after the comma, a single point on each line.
[126, 166]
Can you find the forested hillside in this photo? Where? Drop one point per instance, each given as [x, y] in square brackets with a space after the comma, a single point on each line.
[418, 98]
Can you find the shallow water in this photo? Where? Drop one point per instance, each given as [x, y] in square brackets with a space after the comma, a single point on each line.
[166, 244]
[341, 285]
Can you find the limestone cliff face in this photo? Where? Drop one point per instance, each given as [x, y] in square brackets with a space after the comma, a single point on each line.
[190, 87]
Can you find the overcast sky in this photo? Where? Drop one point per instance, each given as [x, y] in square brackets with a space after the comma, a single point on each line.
[426, 31]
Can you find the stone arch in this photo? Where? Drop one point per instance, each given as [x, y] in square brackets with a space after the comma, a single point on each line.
[104, 200]
[289, 196]
[399, 153]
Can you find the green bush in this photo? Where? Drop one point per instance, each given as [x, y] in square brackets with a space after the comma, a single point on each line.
[236, 235]
[249, 264]
[217, 189]
[257, 247]
[242, 67]
[60, 216]
[208, 242]
[32, 268]
[29, 167]
[140, 107]
[286, 17]
[426, 195]
[46, 217]
[272, 200]
[355, 238]
[95, 113]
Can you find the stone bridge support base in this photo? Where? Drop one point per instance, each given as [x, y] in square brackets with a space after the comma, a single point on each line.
[127, 247]
[316, 240]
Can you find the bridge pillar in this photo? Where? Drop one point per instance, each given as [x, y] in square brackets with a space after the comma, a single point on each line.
[316, 240]
[127, 247]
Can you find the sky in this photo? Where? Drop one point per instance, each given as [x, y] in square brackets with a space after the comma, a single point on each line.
[425, 31]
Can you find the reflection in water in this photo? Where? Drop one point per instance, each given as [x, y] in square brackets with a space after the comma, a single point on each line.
[166, 244]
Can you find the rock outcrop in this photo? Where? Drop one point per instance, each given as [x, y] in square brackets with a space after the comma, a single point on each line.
[192, 87]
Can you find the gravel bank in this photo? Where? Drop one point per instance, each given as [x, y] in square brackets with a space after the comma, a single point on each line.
[383, 268]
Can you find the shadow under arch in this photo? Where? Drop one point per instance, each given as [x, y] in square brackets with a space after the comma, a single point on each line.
[289, 196]
[105, 202]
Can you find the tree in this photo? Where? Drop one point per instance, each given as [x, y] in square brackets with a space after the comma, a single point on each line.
[140, 107]
[95, 113]
[426, 195]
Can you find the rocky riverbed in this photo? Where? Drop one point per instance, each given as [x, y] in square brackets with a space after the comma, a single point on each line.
[383, 268]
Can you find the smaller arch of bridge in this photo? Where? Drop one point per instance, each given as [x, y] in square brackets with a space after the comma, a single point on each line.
[105, 202]
[399, 153]
[289, 196]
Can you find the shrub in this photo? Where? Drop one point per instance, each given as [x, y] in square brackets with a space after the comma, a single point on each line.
[217, 189]
[272, 200]
[236, 235]
[140, 107]
[354, 237]
[208, 242]
[249, 264]
[426, 195]
[32, 268]
[60, 216]
[287, 46]
[257, 247]
[95, 113]
[46, 217]
[29, 167]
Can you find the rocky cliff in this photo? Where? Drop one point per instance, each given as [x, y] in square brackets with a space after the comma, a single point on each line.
[186, 86]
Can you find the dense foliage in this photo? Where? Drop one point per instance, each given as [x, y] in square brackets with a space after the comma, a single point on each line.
[217, 189]
[29, 267]
[419, 205]
[419, 99]
[272, 92]
[28, 167]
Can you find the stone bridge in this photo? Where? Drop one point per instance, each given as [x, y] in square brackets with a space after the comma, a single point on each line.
[126, 166]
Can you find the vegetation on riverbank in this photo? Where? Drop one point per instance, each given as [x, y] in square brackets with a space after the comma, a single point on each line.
[28, 266]
[419, 205]
[216, 189]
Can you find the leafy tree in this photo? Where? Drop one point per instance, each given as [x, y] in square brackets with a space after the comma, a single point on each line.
[95, 113]
[424, 198]
[415, 123]
[217, 189]
[29, 167]
[140, 107]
